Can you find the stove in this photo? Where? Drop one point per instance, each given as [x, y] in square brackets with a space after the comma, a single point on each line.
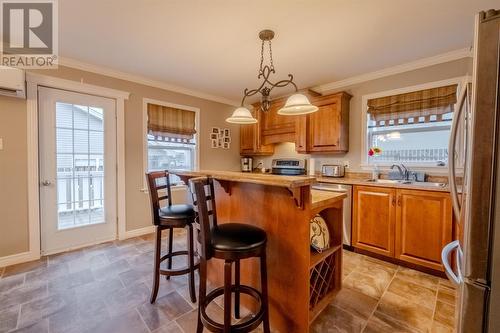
[288, 167]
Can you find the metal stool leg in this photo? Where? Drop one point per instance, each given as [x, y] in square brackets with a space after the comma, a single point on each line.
[156, 276]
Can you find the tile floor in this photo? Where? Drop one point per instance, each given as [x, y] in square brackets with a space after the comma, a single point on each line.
[105, 288]
[381, 297]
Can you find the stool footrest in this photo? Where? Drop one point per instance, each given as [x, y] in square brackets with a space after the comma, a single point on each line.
[176, 271]
[245, 326]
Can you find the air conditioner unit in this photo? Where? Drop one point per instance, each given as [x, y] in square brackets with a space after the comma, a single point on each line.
[12, 82]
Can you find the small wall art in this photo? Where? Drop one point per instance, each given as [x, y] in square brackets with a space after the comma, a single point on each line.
[220, 138]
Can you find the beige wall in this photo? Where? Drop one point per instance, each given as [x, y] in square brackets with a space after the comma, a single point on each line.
[429, 74]
[13, 159]
[13, 170]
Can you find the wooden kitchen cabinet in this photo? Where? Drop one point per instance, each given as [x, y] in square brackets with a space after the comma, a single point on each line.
[328, 128]
[251, 140]
[374, 217]
[409, 225]
[324, 131]
[277, 128]
[423, 227]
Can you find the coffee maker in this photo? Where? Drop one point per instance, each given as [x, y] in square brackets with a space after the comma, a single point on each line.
[246, 164]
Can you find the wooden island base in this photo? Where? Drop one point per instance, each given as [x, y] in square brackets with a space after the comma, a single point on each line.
[301, 282]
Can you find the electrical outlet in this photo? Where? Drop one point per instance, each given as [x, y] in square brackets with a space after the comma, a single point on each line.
[346, 164]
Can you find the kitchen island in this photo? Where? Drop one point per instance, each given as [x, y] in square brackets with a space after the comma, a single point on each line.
[301, 281]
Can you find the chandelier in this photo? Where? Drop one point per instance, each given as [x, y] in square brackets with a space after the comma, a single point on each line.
[296, 104]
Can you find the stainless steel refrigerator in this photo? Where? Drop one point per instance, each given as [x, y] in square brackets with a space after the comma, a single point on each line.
[473, 261]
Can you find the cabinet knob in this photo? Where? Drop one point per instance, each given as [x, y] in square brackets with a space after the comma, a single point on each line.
[399, 200]
[394, 201]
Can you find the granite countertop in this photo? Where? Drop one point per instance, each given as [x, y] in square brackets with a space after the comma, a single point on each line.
[253, 178]
[365, 182]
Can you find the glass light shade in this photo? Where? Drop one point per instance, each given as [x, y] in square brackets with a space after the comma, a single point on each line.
[297, 104]
[241, 116]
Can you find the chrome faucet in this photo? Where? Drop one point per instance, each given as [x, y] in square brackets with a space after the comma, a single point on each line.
[403, 171]
[406, 175]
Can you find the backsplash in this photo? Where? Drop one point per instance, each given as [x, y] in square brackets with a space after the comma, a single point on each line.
[287, 150]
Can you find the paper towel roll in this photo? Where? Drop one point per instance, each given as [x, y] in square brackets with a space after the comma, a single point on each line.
[311, 166]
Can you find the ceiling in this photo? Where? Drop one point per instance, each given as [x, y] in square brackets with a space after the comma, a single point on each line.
[213, 46]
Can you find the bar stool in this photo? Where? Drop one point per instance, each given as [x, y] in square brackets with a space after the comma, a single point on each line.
[230, 242]
[170, 217]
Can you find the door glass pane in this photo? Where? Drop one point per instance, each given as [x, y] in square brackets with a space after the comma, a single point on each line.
[80, 165]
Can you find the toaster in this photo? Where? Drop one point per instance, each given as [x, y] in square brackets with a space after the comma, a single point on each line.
[332, 170]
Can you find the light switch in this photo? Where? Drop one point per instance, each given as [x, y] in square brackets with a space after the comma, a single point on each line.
[1, 143]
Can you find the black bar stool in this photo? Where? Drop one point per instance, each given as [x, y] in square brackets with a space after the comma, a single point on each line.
[170, 217]
[230, 242]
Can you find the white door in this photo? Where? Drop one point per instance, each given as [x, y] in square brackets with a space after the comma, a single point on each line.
[77, 169]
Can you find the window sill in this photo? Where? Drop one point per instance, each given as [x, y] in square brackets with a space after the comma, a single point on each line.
[434, 169]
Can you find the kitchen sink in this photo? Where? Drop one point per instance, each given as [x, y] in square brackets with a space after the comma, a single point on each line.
[406, 182]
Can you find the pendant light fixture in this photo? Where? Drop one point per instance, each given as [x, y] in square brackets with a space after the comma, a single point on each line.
[296, 104]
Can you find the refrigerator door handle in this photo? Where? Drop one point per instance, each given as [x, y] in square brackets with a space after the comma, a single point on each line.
[459, 106]
[445, 258]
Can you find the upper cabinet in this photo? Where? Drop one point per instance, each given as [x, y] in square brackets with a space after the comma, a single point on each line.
[277, 128]
[324, 131]
[251, 140]
[328, 128]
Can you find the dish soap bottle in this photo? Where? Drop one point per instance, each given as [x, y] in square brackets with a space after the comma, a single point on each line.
[375, 172]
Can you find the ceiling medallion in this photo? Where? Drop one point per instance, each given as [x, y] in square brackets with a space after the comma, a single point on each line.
[296, 104]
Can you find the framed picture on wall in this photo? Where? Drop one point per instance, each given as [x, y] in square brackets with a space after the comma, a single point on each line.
[227, 139]
[213, 136]
[215, 144]
[227, 132]
[226, 145]
[215, 130]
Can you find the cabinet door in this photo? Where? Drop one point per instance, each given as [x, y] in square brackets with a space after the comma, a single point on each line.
[301, 134]
[374, 216]
[251, 140]
[277, 128]
[424, 226]
[324, 129]
[328, 128]
[247, 137]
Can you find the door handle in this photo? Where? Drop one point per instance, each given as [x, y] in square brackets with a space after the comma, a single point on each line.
[451, 152]
[399, 200]
[46, 183]
[445, 259]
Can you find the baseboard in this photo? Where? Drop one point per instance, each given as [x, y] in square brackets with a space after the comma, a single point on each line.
[79, 246]
[18, 258]
[138, 232]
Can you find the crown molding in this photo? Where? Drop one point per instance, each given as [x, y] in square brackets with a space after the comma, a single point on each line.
[417, 64]
[77, 64]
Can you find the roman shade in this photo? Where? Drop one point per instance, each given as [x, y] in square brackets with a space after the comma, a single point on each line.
[427, 104]
[171, 124]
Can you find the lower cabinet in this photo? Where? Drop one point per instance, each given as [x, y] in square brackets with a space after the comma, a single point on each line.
[373, 220]
[409, 225]
[423, 227]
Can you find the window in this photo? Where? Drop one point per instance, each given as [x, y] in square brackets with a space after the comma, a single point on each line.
[417, 142]
[411, 128]
[165, 155]
[171, 140]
